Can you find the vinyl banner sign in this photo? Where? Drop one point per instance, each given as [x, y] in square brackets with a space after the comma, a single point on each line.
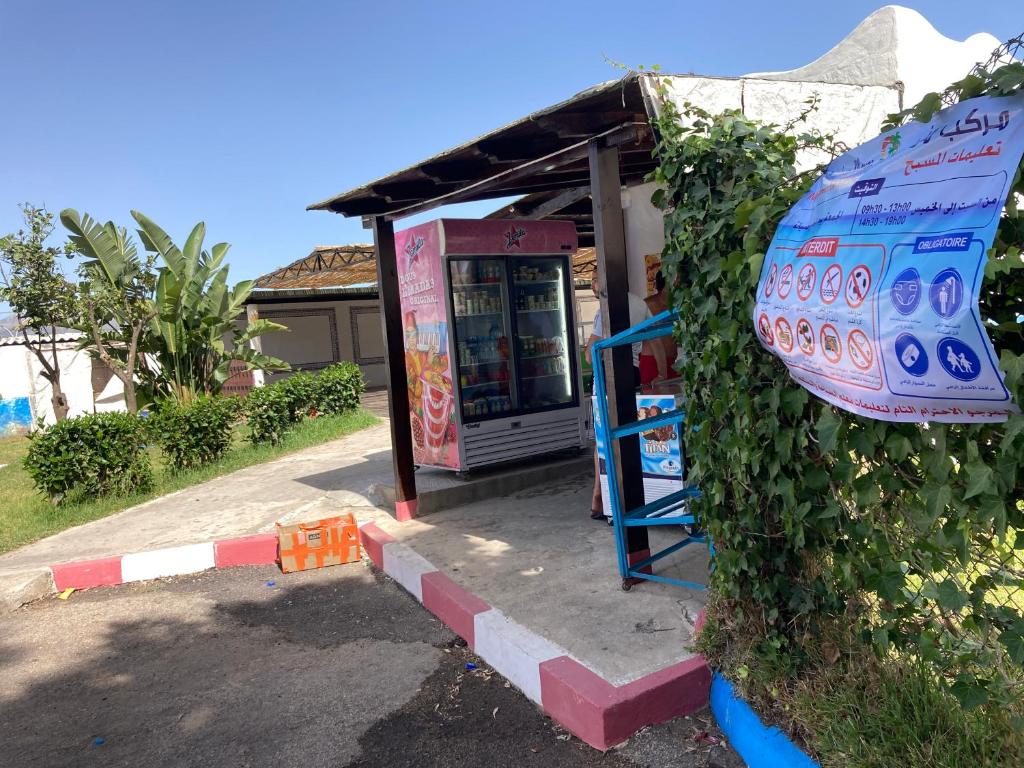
[869, 291]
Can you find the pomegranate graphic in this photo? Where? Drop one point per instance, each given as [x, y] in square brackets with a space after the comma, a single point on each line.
[417, 431]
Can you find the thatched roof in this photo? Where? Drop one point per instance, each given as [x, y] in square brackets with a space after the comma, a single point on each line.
[352, 269]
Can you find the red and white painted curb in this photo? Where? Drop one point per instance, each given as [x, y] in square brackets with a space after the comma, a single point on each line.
[260, 549]
[595, 710]
[590, 707]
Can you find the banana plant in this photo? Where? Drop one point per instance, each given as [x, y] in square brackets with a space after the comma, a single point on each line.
[116, 296]
[193, 337]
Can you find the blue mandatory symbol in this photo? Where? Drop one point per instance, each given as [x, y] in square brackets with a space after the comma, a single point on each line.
[946, 294]
[910, 352]
[906, 291]
[959, 360]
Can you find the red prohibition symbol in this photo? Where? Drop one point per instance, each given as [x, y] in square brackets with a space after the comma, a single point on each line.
[858, 284]
[831, 346]
[805, 280]
[859, 348]
[785, 281]
[784, 333]
[805, 336]
[764, 327]
[831, 283]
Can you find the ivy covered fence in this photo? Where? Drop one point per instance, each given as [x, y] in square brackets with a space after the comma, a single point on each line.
[907, 537]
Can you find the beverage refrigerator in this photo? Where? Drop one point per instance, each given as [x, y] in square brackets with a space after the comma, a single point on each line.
[490, 344]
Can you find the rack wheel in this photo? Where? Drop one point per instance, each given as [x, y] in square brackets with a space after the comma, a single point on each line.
[627, 584]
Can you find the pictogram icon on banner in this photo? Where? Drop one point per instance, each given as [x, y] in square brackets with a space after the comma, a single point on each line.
[785, 281]
[857, 285]
[905, 293]
[784, 333]
[764, 327]
[958, 360]
[831, 283]
[831, 346]
[911, 355]
[946, 294]
[769, 284]
[805, 281]
[858, 346]
[805, 336]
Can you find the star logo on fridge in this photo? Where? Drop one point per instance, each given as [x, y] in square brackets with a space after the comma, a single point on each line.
[513, 236]
[412, 250]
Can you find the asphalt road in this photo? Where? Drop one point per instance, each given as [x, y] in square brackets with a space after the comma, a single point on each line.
[249, 667]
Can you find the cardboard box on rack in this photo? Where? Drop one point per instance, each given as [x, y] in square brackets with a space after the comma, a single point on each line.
[319, 543]
[661, 450]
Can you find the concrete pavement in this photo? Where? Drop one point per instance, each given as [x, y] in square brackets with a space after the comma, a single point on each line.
[343, 472]
[324, 668]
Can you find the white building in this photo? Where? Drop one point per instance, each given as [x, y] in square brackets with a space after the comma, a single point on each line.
[25, 395]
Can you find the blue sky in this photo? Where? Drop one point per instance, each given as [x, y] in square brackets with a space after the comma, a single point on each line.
[242, 115]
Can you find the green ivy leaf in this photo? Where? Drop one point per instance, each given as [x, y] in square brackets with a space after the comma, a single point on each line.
[827, 429]
[979, 479]
[950, 596]
[1012, 638]
[969, 694]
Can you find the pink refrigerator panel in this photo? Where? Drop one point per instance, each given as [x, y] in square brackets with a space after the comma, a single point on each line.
[486, 237]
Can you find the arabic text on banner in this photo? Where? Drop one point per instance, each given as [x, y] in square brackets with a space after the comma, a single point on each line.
[869, 290]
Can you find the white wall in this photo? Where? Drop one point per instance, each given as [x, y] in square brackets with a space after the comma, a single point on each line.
[19, 377]
[324, 332]
[854, 113]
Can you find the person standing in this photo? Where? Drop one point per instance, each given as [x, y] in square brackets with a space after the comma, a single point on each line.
[657, 303]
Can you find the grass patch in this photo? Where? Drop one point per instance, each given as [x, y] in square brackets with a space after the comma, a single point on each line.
[26, 516]
[850, 709]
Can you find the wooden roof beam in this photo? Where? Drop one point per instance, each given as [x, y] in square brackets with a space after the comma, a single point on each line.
[559, 201]
[582, 125]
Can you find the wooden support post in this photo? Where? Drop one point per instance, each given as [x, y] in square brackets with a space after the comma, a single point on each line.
[394, 368]
[610, 240]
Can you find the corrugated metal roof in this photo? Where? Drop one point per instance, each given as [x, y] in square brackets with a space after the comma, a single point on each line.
[14, 338]
[589, 113]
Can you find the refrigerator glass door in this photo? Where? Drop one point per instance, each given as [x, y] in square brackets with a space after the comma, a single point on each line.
[482, 347]
[544, 332]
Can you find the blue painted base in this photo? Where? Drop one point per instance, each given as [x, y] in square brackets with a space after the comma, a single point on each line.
[759, 745]
[15, 415]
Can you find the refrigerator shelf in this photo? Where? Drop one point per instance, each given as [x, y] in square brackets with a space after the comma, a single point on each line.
[527, 311]
[540, 357]
[461, 286]
[487, 362]
[523, 283]
[485, 384]
[544, 376]
[478, 314]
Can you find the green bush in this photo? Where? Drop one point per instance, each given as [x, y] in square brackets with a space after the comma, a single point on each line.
[298, 389]
[337, 388]
[268, 411]
[90, 456]
[191, 435]
[273, 409]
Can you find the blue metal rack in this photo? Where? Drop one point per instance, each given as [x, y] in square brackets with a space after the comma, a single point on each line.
[663, 511]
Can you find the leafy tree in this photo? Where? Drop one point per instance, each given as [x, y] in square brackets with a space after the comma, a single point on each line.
[44, 300]
[117, 304]
[187, 354]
